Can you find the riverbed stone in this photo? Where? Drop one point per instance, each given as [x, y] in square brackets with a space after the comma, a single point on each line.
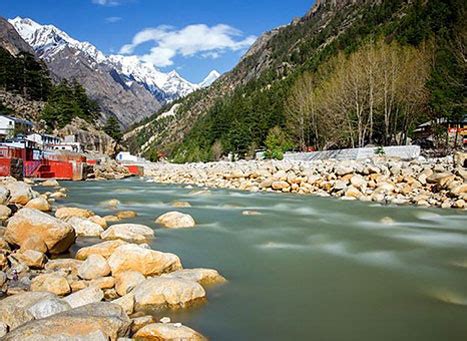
[20, 193]
[135, 233]
[127, 303]
[180, 204]
[33, 259]
[132, 257]
[127, 281]
[84, 227]
[56, 234]
[67, 212]
[103, 283]
[176, 220]
[92, 294]
[168, 331]
[95, 266]
[126, 215]
[55, 283]
[64, 265]
[21, 308]
[104, 249]
[99, 221]
[93, 322]
[170, 292]
[201, 276]
[50, 183]
[4, 195]
[5, 212]
[40, 203]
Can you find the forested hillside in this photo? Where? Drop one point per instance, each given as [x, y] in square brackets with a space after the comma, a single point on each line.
[344, 75]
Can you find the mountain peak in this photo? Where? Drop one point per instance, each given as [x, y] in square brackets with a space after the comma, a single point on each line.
[210, 78]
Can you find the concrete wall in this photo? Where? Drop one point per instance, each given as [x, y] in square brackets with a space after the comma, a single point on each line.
[403, 152]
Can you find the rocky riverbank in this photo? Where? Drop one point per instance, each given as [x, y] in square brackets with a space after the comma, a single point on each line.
[422, 182]
[100, 293]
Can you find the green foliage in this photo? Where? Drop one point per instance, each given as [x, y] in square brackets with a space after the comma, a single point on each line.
[4, 110]
[67, 101]
[112, 128]
[24, 75]
[380, 151]
[243, 119]
[277, 143]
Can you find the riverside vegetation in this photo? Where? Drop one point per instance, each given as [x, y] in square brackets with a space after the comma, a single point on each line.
[102, 292]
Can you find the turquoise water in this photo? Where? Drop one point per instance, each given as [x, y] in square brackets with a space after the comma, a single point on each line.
[308, 268]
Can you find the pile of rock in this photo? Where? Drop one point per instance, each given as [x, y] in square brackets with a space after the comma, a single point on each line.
[102, 293]
[109, 170]
[430, 183]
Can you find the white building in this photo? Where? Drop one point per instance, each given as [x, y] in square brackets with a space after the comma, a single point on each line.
[126, 157]
[11, 125]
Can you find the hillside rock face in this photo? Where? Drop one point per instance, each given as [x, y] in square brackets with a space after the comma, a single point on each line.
[23, 108]
[90, 137]
[103, 84]
[11, 41]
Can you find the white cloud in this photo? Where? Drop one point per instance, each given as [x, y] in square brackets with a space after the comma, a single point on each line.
[112, 20]
[106, 2]
[209, 42]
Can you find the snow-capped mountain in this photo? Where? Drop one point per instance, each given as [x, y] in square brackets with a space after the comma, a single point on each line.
[48, 41]
[211, 78]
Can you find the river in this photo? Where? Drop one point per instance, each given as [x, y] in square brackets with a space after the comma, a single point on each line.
[308, 268]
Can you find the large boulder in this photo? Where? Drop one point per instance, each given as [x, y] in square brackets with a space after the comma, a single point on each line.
[168, 331]
[56, 234]
[40, 203]
[129, 232]
[104, 249]
[20, 193]
[132, 257]
[95, 266]
[167, 292]
[98, 321]
[67, 212]
[127, 281]
[176, 220]
[54, 283]
[92, 294]
[21, 308]
[201, 276]
[84, 227]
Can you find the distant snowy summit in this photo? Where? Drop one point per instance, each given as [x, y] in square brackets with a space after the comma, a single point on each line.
[48, 41]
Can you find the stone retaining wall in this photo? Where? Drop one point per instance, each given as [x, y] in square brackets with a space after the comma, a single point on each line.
[403, 152]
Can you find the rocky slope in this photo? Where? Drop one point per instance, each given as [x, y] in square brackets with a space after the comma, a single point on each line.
[268, 57]
[11, 41]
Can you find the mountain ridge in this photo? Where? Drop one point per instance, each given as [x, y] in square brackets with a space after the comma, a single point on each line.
[124, 86]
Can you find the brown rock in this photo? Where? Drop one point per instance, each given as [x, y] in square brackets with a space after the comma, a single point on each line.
[53, 283]
[56, 234]
[104, 249]
[168, 331]
[39, 203]
[67, 212]
[132, 257]
[127, 281]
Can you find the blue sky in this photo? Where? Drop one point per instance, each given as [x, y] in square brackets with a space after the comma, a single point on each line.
[192, 36]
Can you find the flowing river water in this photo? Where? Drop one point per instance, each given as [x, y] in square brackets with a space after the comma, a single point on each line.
[308, 268]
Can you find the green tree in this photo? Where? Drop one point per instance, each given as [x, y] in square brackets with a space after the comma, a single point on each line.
[112, 128]
[277, 143]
